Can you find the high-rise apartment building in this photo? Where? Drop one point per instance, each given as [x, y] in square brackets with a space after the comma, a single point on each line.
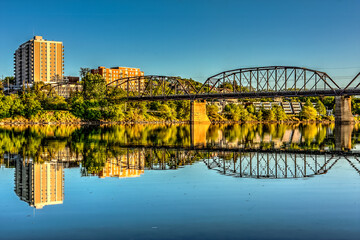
[39, 184]
[115, 73]
[39, 60]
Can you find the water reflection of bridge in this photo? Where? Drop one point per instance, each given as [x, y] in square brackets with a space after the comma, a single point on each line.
[42, 183]
[249, 163]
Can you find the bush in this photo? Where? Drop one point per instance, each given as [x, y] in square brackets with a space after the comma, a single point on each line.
[54, 116]
[279, 113]
[114, 113]
[308, 113]
[268, 115]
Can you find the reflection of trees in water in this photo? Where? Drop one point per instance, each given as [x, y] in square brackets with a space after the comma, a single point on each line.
[45, 142]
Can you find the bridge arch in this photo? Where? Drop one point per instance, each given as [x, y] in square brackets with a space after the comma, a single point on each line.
[348, 87]
[278, 79]
[62, 88]
[154, 85]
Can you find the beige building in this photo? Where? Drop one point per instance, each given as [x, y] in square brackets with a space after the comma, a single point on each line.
[111, 75]
[39, 184]
[39, 60]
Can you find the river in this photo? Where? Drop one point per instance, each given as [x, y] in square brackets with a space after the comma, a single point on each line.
[247, 181]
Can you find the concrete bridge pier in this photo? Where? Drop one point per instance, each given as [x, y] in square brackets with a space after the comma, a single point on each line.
[198, 112]
[199, 123]
[343, 113]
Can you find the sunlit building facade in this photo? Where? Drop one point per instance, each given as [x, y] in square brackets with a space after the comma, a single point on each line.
[124, 166]
[39, 184]
[115, 73]
[39, 60]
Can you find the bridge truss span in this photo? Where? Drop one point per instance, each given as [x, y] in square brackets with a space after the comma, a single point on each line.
[353, 86]
[153, 85]
[256, 82]
[280, 80]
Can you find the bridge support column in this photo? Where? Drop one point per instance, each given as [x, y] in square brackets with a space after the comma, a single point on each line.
[199, 123]
[198, 112]
[343, 110]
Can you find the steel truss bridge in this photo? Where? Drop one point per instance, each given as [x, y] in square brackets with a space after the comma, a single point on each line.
[235, 162]
[246, 162]
[258, 82]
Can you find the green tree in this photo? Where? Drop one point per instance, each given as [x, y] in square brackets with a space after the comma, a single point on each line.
[212, 111]
[17, 106]
[279, 113]
[78, 107]
[239, 113]
[259, 115]
[94, 86]
[329, 102]
[320, 108]
[10, 80]
[166, 112]
[84, 72]
[31, 105]
[250, 109]
[308, 103]
[268, 115]
[308, 113]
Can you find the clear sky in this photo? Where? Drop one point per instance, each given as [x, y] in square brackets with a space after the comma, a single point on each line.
[189, 38]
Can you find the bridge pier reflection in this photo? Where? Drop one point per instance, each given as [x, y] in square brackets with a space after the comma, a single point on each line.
[343, 134]
[198, 132]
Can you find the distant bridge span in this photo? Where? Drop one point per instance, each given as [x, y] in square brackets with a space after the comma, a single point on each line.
[257, 82]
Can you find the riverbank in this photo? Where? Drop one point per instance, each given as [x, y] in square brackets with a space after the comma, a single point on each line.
[15, 122]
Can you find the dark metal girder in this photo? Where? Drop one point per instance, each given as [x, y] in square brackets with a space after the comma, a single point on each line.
[235, 95]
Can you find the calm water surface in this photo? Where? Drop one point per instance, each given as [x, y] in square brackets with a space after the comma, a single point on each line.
[179, 182]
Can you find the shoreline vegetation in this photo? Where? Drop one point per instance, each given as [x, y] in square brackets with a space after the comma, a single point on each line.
[98, 104]
[24, 121]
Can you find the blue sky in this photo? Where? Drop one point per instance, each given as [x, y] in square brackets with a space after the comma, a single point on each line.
[189, 38]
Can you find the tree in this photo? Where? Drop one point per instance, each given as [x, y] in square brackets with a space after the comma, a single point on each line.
[8, 80]
[166, 112]
[259, 115]
[236, 112]
[329, 102]
[94, 86]
[308, 103]
[251, 109]
[84, 72]
[31, 104]
[212, 111]
[308, 113]
[182, 109]
[268, 115]
[320, 108]
[279, 113]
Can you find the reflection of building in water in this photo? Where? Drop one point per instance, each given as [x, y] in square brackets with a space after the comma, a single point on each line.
[61, 155]
[127, 165]
[39, 184]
